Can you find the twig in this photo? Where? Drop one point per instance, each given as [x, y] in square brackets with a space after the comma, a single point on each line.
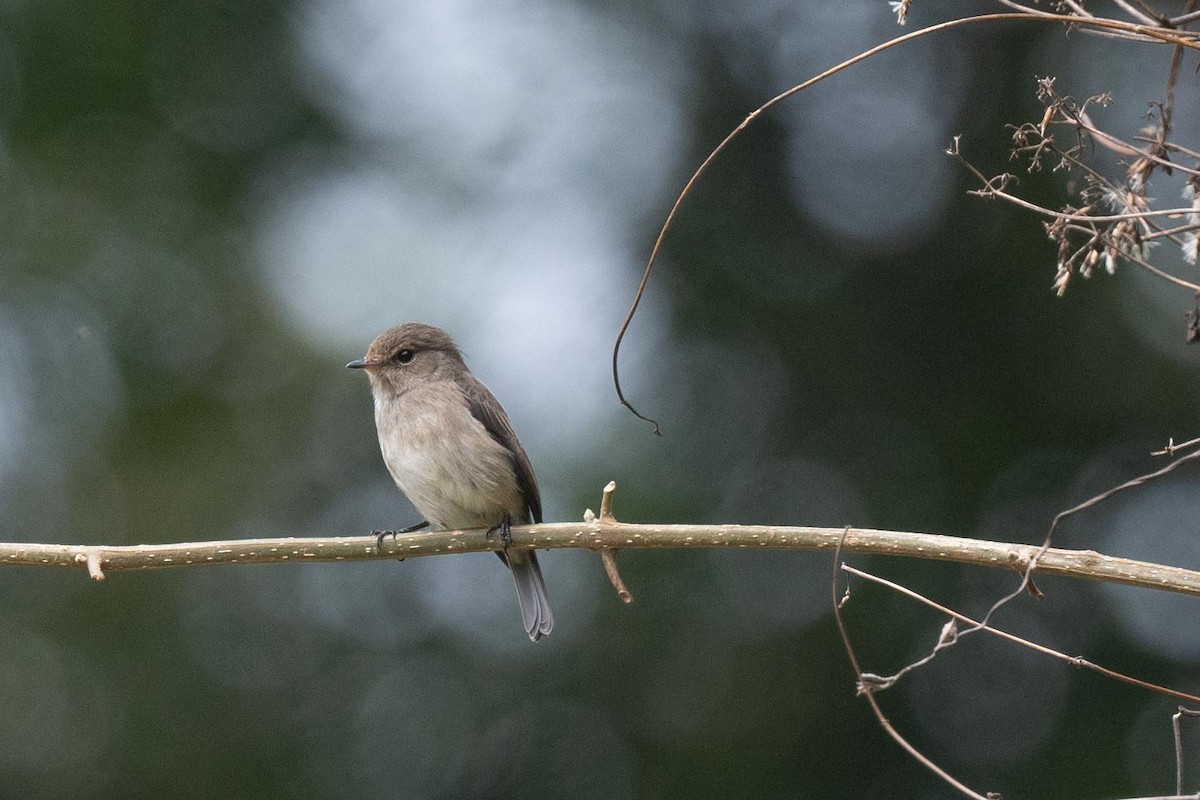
[1137, 14]
[1168, 105]
[608, 556]
[991, 190]
[1129, 484]
[1075, 661]
[1033, 564]
[606, 496]
[1175, 719]
[1146, 265]
[1184, 19]
[1178, 148]
[1172, 448]
[868, 692]
[1119, 145]
[1170, 233]
[92, 560]
[1180, 38]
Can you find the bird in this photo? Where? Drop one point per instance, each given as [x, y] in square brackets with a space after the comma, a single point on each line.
[451, 449]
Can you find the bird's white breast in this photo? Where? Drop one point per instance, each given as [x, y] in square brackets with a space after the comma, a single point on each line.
[444, 460]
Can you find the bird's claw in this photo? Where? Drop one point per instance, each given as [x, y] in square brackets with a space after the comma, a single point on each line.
[505, 528]
[380, 536]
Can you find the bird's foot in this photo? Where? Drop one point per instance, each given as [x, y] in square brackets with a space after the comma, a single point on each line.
[381, 535]
[505, 528]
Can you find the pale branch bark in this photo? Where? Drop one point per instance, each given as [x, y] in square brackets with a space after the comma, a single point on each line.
[605, 534]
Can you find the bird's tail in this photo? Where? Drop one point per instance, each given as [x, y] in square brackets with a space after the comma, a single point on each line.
[531, 593]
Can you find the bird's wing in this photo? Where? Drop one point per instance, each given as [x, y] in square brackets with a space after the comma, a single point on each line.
[485, 408]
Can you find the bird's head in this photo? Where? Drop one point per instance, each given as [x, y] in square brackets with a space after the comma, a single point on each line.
[407, 355]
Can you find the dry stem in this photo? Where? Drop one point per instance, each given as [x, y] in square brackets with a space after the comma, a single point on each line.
[601, 535]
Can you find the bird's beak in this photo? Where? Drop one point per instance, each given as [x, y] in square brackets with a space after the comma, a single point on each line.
[359, 363]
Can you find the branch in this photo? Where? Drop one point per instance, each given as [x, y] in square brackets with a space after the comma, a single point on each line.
[606, 534]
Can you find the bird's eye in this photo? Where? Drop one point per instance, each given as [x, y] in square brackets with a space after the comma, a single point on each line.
[404, 356]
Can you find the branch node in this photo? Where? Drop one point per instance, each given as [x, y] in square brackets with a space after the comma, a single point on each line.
[1172, 448]
[1169, 450]
[609, 557]
[869, 682]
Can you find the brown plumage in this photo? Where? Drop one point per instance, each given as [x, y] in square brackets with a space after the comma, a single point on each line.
[451, 449]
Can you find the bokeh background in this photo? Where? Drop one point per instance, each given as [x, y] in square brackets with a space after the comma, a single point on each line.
[208, 208]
